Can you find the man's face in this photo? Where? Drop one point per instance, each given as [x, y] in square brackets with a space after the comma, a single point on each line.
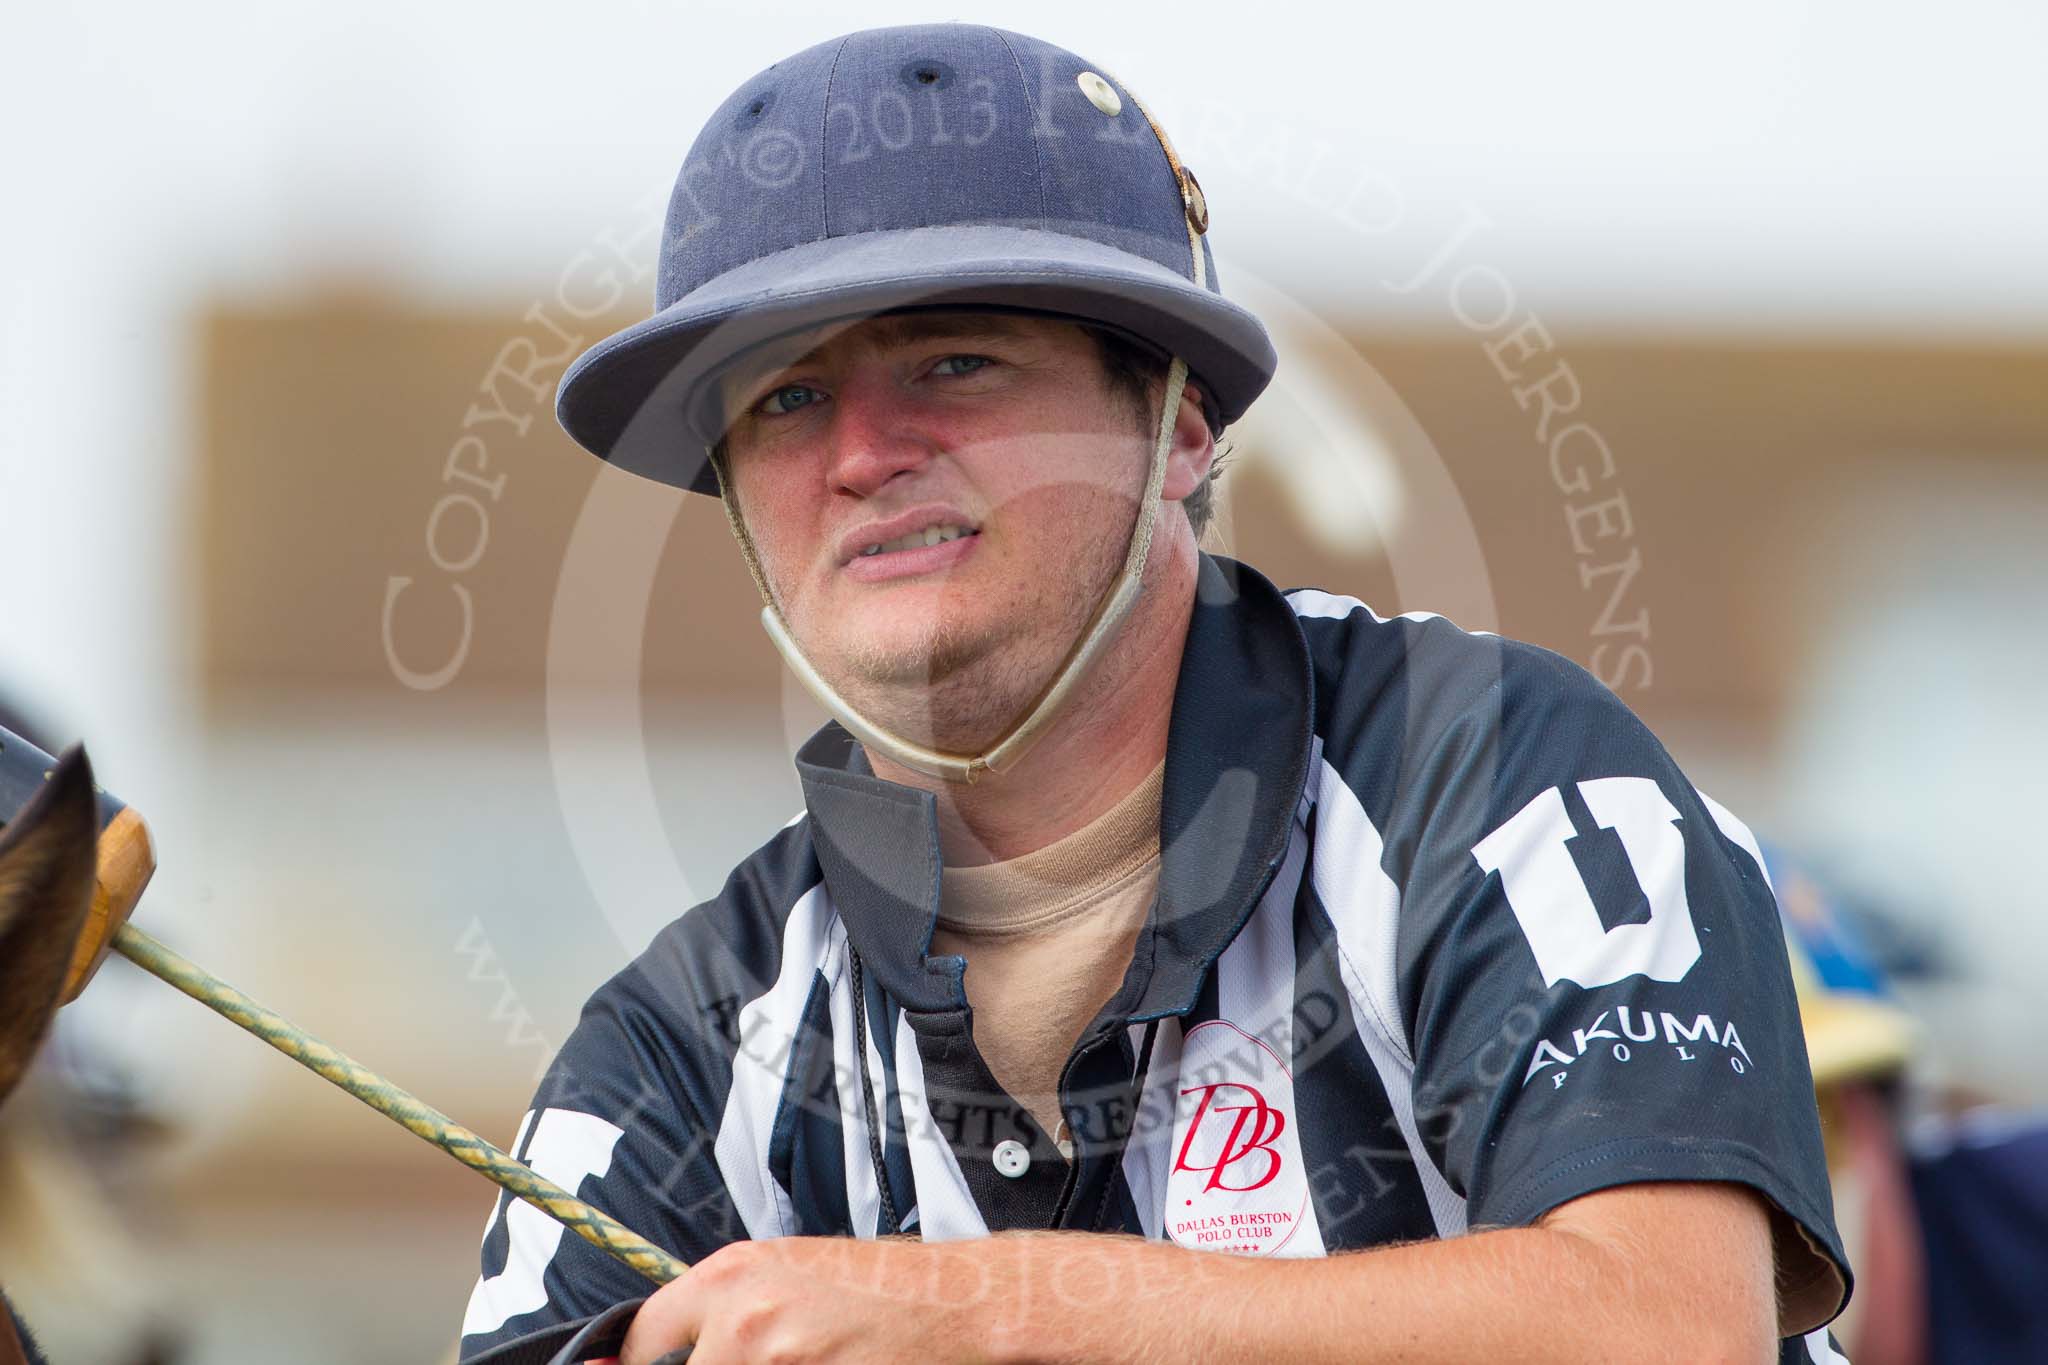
[939, 500]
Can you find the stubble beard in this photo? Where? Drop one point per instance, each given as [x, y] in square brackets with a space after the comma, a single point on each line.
[960, 685]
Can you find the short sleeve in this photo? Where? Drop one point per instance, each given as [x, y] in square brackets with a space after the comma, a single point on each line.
[614, 1122]
[1594, 973]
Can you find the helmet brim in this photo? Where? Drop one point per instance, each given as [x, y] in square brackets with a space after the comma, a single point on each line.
[646, 399]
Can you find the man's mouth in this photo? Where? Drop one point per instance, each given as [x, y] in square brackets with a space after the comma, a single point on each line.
[930, 535]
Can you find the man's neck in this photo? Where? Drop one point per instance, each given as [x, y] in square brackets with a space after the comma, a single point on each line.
[1108, 738]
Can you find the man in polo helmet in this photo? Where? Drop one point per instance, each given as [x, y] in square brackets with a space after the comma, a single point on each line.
[1132, 895]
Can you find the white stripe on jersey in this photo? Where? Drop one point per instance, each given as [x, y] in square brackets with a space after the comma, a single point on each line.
[945, 1206]
[1365, 906]
[1315, 603]
[1822, 1350]
[1731, 825]
[768, 1028]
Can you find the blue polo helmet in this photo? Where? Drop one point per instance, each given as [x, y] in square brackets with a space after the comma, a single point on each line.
[933, 165]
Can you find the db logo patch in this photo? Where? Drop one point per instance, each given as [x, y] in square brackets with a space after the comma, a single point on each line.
[1236, 1182]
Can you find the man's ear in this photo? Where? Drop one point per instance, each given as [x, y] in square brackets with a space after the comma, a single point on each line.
[1194, 449]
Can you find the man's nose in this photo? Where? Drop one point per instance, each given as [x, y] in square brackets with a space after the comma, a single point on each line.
[874, 436]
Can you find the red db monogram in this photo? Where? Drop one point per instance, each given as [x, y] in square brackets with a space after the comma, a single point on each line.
[1266, 1123]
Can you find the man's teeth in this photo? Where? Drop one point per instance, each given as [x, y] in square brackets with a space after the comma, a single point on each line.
[930, 535]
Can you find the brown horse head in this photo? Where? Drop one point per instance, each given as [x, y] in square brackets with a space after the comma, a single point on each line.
[47, 862]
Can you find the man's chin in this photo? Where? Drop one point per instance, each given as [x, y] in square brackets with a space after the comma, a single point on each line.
[915, 668]
[905, 656]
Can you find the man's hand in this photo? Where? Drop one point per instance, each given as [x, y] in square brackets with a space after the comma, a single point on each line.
[838, 1299]
[1010, 1297]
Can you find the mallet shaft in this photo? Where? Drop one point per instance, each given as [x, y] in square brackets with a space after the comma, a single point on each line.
[401, 1107]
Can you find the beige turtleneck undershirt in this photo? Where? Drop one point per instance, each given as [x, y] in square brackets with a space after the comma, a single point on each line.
[1047, 938]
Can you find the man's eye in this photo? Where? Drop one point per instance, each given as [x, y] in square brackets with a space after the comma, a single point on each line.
[972, 362]
[786, 399]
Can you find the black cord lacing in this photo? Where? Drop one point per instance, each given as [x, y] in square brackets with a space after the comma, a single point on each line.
[867, 1093]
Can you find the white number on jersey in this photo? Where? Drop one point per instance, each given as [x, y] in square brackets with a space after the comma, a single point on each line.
[567, 1147]
[1554, 907]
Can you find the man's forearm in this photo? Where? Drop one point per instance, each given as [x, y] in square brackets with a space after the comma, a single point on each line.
[1637, 1272]
[1554, 1292]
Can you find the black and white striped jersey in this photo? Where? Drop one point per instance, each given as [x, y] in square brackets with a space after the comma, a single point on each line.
[1443, 939]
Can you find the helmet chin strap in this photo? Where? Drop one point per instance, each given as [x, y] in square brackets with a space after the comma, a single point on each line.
[1109, 614]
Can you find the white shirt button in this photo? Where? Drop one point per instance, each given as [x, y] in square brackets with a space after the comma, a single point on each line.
[1012, 1158]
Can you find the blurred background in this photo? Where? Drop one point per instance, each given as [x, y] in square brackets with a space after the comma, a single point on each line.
[1707, 350]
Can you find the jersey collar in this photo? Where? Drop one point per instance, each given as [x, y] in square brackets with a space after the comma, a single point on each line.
[1236, 762]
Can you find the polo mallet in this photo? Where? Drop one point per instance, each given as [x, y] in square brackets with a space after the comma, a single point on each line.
[73, 863]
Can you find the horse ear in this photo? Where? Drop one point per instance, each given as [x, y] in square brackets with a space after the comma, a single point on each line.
[48, 859]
